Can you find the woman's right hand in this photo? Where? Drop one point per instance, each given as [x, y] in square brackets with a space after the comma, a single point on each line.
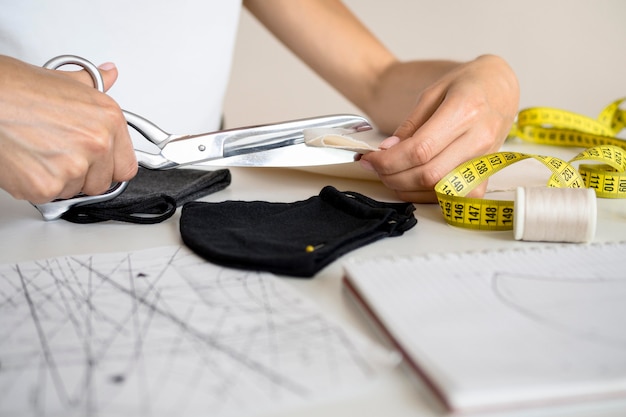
[58, 134]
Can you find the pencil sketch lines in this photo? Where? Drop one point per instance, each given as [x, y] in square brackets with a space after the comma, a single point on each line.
[162, 332]
[590, 309]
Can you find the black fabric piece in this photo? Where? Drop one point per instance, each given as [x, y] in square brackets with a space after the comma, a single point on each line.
[152, 196]
[274, 237]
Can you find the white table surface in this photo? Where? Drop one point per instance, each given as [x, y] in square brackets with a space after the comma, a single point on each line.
[25, 236]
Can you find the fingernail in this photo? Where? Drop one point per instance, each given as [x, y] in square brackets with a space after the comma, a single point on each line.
[389, 142]
[366, 165]
[107, 66]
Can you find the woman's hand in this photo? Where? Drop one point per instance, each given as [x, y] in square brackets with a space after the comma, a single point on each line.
[60, 136]
[441, 113]
[465, 113]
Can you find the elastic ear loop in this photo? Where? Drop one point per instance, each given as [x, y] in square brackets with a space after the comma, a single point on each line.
[164, 205]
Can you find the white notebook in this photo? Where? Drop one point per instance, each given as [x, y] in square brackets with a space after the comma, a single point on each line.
[501, 329]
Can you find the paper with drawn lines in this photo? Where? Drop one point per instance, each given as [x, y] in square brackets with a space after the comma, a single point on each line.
[160, 332]
[506, 328]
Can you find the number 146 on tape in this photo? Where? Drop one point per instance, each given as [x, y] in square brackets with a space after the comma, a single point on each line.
[485, 214]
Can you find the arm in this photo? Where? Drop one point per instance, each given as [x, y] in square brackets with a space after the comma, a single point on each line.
[440, 113]
[59, 135]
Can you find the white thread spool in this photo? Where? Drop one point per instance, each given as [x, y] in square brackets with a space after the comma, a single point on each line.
[555, 214]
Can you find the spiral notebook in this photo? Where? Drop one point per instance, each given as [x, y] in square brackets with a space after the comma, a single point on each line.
[504, 329]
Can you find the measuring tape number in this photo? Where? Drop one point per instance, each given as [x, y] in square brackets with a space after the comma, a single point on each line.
[550, 127]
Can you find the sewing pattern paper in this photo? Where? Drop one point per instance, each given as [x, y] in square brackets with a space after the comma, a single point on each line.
[161, 332]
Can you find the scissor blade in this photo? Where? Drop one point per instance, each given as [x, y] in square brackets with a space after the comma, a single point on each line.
[276, 145]
[299, 155]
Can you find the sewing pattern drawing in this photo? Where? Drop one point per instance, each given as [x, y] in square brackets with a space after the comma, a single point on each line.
[541, 323]
[162, 332]
[591, 309]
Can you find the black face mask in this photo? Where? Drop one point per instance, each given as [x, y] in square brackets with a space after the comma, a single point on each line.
[152, 196]
[296, 239]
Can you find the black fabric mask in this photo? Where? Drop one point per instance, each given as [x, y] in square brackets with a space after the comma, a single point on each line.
[152, 196]
[295, 239]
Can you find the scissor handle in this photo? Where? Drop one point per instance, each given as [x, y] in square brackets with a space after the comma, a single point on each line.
[91, 69]
[55, 209]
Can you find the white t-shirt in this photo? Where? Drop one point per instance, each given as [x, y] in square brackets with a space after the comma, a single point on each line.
[173, 57]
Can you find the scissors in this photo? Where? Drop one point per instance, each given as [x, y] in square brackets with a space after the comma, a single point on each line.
[276, 145]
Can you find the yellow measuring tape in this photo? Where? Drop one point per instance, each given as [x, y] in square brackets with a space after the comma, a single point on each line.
[550, 127]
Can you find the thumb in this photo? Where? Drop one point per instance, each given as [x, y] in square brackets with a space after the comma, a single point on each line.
[109, 73]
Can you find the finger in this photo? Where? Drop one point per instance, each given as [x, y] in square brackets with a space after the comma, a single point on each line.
[429, 196]
[419, 197]
[108, 71]
[99, 177]
[429, 138]
[114, 159]
[426, 104]
[72, 188]
[452, 120]
[125, 159]
[425, 177]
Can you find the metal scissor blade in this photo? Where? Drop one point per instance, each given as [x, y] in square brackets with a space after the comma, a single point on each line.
[298, 155]
[309, 153]
[265, 139]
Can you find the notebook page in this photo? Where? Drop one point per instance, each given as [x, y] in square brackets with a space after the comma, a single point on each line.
[506, 328]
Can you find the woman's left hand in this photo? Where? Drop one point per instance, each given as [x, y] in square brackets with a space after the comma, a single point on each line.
[466, 113]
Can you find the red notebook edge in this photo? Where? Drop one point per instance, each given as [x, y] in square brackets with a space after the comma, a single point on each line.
[358, 299]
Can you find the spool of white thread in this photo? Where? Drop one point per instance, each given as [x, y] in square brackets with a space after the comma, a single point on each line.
[547, 214]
